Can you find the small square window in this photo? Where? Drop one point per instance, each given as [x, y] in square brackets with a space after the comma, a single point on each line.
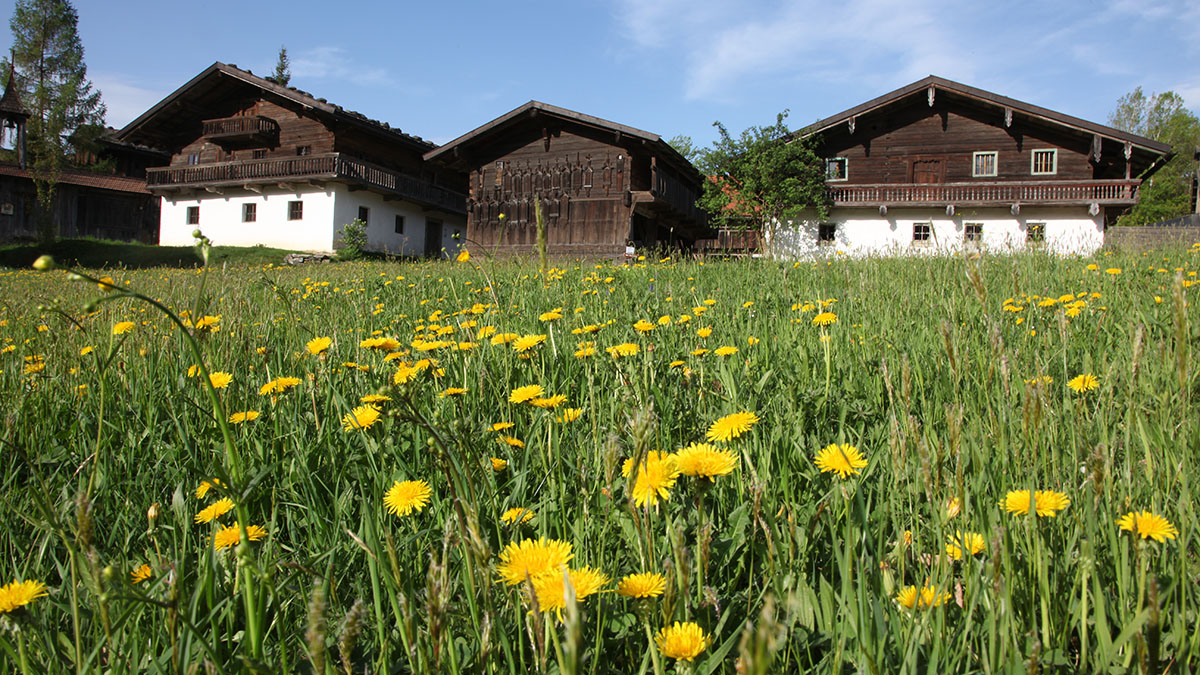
[399, 224]
[836, 169]
[249, 213]
[983, 164]
[194, 158]
[973, 233]
[922, 233]
[1044, 162]
[193, 215]
[1035, 233]
[302, 150]
[295, 210]
[364, 214]
[826, 233]
[258, 154]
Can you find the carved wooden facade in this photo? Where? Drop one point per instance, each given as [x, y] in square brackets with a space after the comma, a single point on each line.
[600, 185]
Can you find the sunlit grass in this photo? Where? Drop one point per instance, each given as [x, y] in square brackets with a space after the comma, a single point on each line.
[885, 442]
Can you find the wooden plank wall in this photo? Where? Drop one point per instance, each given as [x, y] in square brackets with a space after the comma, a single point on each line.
[884, 144]
[580, 180]
[79, 211]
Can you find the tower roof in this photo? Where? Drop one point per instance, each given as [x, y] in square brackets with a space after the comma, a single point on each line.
[10, 103]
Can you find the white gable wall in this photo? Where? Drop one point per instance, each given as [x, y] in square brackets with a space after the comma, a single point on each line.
[860, 232]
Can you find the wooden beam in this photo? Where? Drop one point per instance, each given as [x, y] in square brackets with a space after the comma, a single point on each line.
[1097, 144]
[214, 190]
[929, 94]
[853, 121]
[253, 188]
[1015, 209]
[1008, 113]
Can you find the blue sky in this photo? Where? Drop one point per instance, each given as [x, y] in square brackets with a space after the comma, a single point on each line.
[439, 69]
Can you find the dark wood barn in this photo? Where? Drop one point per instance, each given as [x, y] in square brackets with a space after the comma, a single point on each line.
[601, 185]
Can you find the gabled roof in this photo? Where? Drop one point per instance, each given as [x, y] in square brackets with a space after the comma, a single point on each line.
[1028, 109]
[221, 73]
[533, 108]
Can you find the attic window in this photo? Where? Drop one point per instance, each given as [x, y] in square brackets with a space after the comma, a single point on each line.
[836, 169]
[302, 150]
[1044, 162]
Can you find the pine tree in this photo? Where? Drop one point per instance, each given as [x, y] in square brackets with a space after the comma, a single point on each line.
[53, 84]
[283, 68]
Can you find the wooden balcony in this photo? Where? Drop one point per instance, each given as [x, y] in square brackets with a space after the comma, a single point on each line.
[289, 171]
[1101, 192]
[241, 131]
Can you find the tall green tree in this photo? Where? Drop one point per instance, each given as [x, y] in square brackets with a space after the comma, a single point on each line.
[53, 84]
[1161, 117]
[283, 68]
[766, 175]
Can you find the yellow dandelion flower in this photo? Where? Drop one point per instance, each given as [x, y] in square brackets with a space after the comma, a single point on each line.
[550, 589]
[215, 510]
[842, 459]
[552, 315]
[516, 513]
[404, 497]
[911, 598]
[140, 574]
[278, 385]
[510, 441]
[585, 350]
[463, 256]
[705, 461]
[569, 415]
[372, 399]
[1113, 271]
[526, 393]
[825, 319]
[361, 418]
[451, 391]
[1148, 525]
[240, 417]
[726, 350]
[623, 349]
[205, 486]
[644, 585]
[971, 542]
[122, 327]
[107, 284]
[527, 342]
[682, 641]
[655, 478]
[87, 350]
[501, 426]
[498, 464]
[230, 536]
[317, 345]
[503, 338]
[220, 380]
[17, 594]
[731, 426]
[549, 401]
[405, 373]
[532, 559]
[1045, 502]
[704, 332]
[1083, 383]
[643, 326]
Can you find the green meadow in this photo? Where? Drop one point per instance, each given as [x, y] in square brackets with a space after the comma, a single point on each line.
[892, 465]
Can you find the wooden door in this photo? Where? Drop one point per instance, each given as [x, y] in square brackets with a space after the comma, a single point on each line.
[927, 171]
[433, 238]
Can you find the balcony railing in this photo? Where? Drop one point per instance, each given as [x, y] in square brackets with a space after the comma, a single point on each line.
[241, 129]
[1112, 192]
[332, 166]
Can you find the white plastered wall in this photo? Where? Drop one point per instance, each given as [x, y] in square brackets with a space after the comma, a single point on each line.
[861, 232]
[325, 211]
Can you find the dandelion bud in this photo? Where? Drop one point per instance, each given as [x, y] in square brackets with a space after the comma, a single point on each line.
[74, 276]
[152, 513]
[502, 217]
[108, 573]
[197, 234]
[44, 263]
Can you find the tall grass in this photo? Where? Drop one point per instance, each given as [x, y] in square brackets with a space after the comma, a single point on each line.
[954, 400]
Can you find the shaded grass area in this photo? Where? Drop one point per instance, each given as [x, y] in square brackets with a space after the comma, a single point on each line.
[102, 253]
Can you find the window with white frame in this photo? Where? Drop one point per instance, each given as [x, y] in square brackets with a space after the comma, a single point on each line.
[973, 234]
[193, 215]
[1044, 162]
[295, 210]
[922, 234]
[836, 169]
[249, 212]
[983, 164]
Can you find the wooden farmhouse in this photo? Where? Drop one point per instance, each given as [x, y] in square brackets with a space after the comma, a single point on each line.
[103, 204]
[602, 186]
[939, 166]
[253, 162]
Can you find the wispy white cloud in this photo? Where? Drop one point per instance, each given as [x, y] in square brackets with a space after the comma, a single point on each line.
[325, 63]
[125, 98]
